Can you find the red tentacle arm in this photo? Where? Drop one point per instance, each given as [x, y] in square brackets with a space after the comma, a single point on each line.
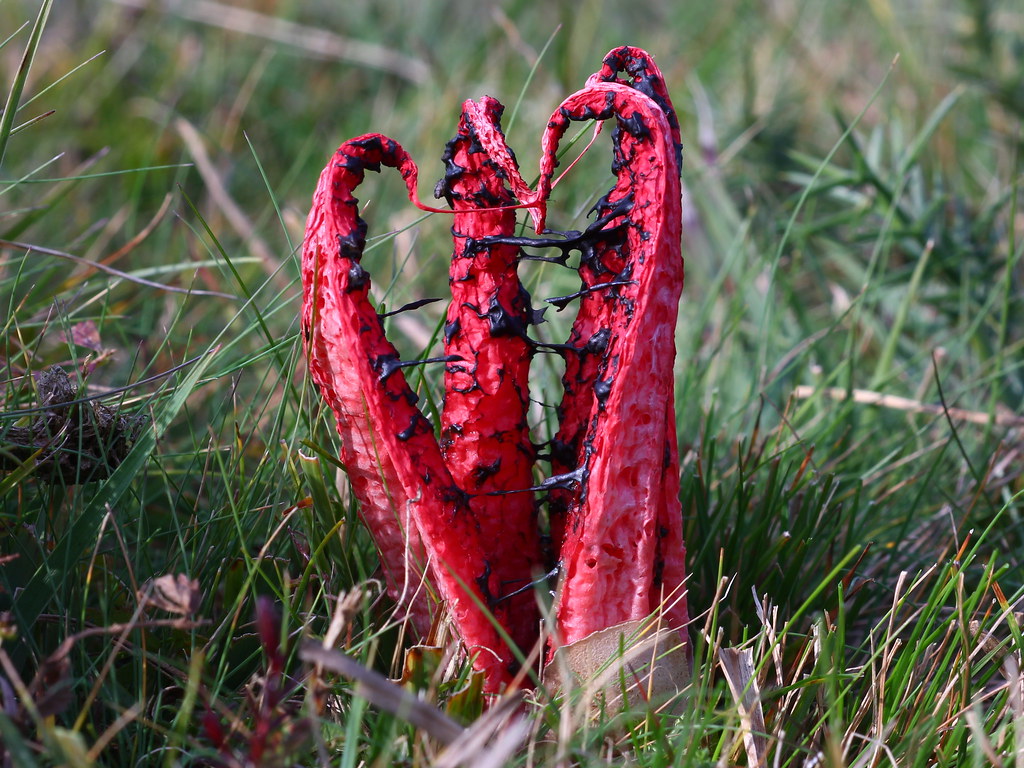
[407, 495]
[602, 261]
[485, 435]
[645, 76]
[623, 536]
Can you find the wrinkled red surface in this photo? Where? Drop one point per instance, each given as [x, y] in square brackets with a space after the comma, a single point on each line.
[405, 490]
[466, 506]
[610, 554]
[668, 592]
[485, 435]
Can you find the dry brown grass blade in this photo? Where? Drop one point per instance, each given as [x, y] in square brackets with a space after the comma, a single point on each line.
[29, 248]
[145, 232]
[738, 666]
[1011, 670]
[225, 203]
[1002, 418]
[383, 693]
[981, 738]
[310, 40]
[478, 747]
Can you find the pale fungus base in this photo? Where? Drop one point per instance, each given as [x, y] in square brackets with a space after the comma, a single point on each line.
[635, 666]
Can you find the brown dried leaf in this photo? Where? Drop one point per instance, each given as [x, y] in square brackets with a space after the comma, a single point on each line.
[86, 334]
[51, 688]
[175, 593]
[420, 666]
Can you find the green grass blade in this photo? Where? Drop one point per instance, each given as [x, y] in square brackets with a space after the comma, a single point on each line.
[21, 77]
[51, 578]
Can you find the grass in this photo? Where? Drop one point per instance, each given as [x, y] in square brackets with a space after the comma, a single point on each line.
[853, 230]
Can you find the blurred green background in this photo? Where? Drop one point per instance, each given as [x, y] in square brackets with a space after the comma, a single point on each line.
[266, 90]
[851, 221]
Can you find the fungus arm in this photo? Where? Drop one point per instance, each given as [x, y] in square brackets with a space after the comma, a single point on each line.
[407, 495]
[623, 529]
[485, 436]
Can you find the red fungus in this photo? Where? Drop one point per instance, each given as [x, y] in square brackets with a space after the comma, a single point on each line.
[485, 436]
[468, 506]
[614, 567]
[405, 490]
[623, 553]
